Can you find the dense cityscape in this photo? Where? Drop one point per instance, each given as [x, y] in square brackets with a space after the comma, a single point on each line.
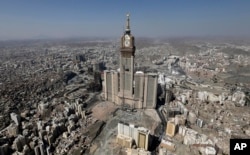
[174, 81]
[56, 99]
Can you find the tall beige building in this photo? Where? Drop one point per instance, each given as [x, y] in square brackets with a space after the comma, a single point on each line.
[140, 135]
[127, 87]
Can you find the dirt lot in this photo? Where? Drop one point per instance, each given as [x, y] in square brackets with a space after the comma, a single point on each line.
[103, 110]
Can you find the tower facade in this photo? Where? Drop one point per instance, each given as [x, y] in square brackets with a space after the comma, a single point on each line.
[127, 87]
[127, 61]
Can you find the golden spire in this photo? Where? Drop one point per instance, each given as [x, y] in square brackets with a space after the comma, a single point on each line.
[128, 25]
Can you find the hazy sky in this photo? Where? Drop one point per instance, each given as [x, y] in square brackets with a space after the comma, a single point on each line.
[106, 18]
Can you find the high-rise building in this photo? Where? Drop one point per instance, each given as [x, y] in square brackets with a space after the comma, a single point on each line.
[140, 135]
[171, 128]
[127, 62]
[127, 87]
[143, 139]
[150, 91]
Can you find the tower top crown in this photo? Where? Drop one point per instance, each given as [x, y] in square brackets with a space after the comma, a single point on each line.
[128, 24]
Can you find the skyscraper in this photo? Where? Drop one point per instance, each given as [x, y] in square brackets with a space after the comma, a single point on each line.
[127, 62]
[127, 87]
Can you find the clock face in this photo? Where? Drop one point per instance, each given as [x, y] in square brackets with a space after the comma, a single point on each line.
[127, 37]
[127, 43]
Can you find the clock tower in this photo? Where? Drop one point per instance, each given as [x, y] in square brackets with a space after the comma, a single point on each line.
[127, 62]
[126, 87]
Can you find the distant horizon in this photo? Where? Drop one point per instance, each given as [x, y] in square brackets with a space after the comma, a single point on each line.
[61, 19]
[136, 36]
[93, 38]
